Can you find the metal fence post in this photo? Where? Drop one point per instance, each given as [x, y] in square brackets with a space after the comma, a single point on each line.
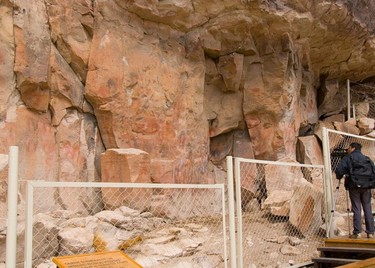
[348, 97]
[11, 240]
[239, 244]
[29, 225]
[232, 224]
[327, 180]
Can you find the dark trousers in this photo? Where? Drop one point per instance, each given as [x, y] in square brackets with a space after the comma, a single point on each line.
[361, 197]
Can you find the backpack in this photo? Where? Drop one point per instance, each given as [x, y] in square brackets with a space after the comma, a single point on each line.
[362, 172]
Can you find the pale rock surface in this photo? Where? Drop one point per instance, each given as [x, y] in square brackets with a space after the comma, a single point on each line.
[278, 203]
[309, 151]
[306, 201]
[347, 127]
[318, 131]
[333, 101]
[290, 250]
[71, 24]
[126, 166]
[66, 89]
[33, 45]
[158, 246]
[365, 125]
[361, 110]
[7, 83]
[335, 118]
[75, 240]
[3, 190]
[282, 177]
[371, 134]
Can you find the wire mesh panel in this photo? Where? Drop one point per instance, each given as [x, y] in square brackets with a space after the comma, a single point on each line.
[371, 112]
[364, 109]
[157, 225]
[338, 142]
[3, 218]
[280, 212]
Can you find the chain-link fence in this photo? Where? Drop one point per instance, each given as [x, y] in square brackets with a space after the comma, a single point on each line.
[339, 204]
[157, 225]
[3, 216]
[280, 212]
[364, 109]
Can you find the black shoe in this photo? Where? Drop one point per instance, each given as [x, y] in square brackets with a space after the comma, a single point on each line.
[354, 236]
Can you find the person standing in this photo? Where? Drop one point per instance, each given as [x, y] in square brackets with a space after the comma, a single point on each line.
[360, 196]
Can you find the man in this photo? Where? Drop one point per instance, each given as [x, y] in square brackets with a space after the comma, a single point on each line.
[359, 196]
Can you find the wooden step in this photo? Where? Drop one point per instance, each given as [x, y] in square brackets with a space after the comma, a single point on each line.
[323, 262]
[344, 252]
[361, 264]
[347, 249]
[303, 265]
[348, 242]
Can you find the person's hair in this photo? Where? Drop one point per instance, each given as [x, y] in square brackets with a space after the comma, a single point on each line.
[356, 145]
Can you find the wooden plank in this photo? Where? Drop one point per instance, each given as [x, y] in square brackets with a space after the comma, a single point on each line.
[113, 259]
[369, 263]
[346, 249]
[347, 242]
[340, 261]
[304, 264]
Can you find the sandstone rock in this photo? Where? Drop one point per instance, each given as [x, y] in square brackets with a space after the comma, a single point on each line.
[361, 110]
[309, 151]
[66, 89]
[272, 132]
[309, 205]
[126, 165]
[230, 68]
[222, 108]
[7, 83]
[318, 131]
[221, 146]
[371, 134]
[335, 118]
[75, 240]
[365, 125]
[72, 27]
[111, 217]
[282, 178]
[128, 211]
[294, 241]
[289, 250]
[33, 46]
[333, 100]
[167, 123]
[162, 170]
[278, 206]
[347, 127]
[45, 240]
[88, 222]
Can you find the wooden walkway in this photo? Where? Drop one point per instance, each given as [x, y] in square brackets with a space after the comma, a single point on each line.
[346, 253]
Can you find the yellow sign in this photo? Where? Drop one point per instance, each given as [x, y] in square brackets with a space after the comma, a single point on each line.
[106, 259]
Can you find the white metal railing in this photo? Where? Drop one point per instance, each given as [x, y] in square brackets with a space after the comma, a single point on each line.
[241, 223]
[189, 198]
[11, 239]
[333, 139]
[255, 229]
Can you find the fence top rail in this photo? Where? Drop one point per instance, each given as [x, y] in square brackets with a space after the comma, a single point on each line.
[248, 160]
[72, 184]
[351, 135]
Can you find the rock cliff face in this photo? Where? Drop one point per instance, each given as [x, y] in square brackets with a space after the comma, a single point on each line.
[186, 81]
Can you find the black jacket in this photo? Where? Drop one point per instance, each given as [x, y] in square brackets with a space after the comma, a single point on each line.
[343, 167]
